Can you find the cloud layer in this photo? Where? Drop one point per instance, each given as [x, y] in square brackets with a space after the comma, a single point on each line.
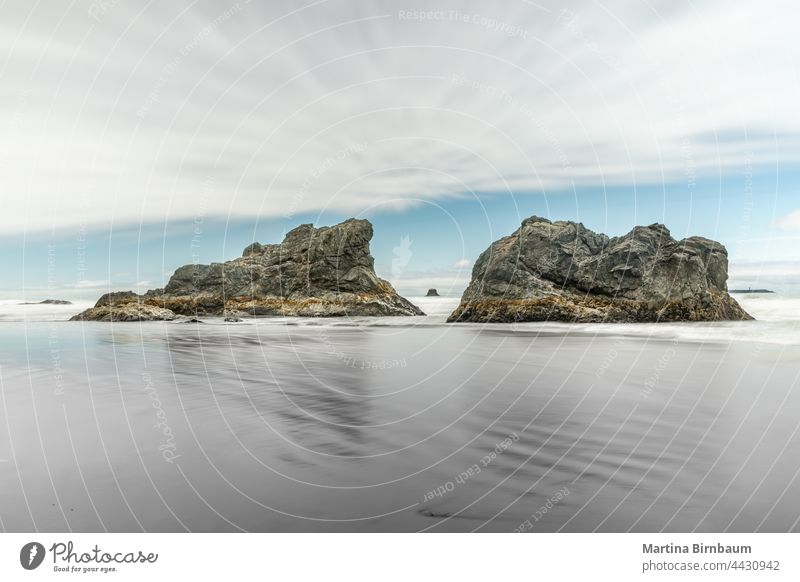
[116, 113]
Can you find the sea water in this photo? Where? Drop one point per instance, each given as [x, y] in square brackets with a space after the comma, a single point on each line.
[399, 424]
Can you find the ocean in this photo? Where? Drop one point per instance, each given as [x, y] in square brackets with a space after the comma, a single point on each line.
[399, 424]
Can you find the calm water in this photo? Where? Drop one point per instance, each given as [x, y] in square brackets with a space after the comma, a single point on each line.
[399, 425]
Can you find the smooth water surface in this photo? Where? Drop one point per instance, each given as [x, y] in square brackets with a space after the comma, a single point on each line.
[399, 424]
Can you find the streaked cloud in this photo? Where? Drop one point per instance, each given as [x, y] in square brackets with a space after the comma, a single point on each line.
[89, 284]
[114, 113]
[790, 222]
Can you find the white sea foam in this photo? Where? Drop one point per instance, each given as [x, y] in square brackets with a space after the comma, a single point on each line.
[770, 306]
[436, 306]
[777, 321]
[18, 310]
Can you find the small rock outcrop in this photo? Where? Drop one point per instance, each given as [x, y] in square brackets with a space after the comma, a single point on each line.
[314, 272]
[125, 311]
[48, 302]
[432, 293]
[232, 316]
[562, 271]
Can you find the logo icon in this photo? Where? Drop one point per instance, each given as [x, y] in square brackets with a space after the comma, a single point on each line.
[31, 555]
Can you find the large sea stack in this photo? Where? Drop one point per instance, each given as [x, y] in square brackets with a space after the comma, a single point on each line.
[314, 272]
[562, 271]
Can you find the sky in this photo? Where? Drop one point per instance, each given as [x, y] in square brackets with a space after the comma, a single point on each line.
[139, 136]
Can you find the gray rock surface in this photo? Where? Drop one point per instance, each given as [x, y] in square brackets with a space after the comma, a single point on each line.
[565, 272]
[432, 293]
[232, 316]
[315, 272]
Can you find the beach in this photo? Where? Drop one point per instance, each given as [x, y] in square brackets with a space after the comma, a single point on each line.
[400, 424]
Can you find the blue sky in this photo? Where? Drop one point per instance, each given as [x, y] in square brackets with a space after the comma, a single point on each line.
[126, 124]
[444, 237]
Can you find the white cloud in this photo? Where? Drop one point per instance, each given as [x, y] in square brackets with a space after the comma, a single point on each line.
[789, 222]
[777, 275]
[462, 264]
[89, 284]
[278, 110]
[774, 270]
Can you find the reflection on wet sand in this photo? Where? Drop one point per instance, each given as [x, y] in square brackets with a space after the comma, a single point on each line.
[216, 427]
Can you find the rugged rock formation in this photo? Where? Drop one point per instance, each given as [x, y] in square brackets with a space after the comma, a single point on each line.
[314, 272]
[432, 293]
[563, 271]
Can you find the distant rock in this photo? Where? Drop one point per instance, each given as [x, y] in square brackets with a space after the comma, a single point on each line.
[187, 319]
[562, 271]
[48, 302]
[750, 291]
[314, 272]
[432, 293]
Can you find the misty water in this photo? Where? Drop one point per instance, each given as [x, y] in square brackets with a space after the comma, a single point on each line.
[399, 424]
